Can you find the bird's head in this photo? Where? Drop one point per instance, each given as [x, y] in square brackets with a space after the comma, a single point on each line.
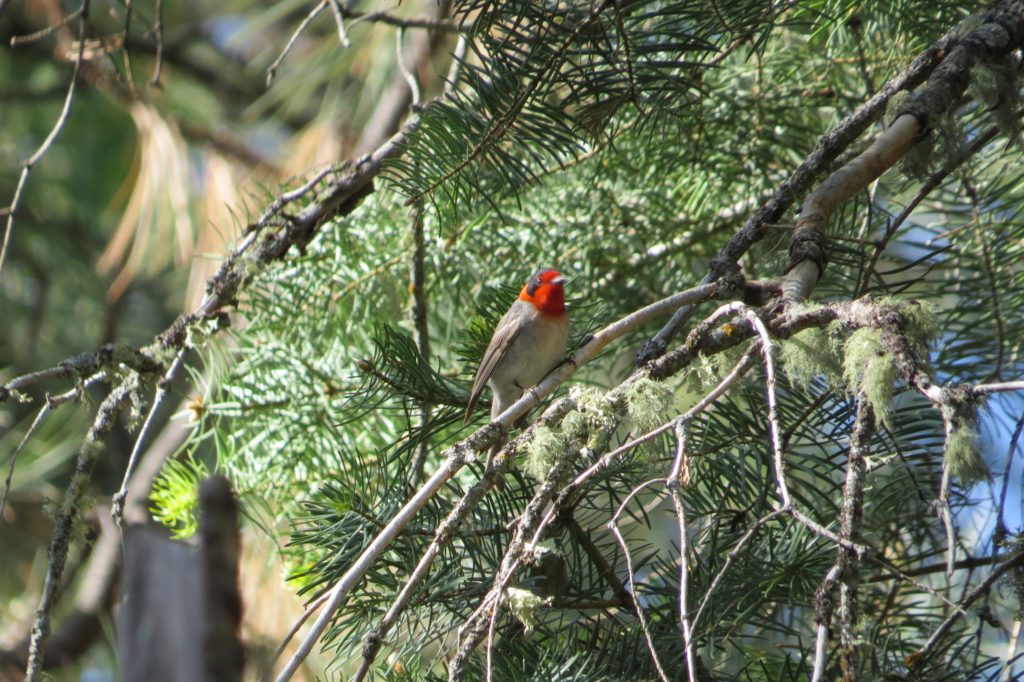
[545, 291]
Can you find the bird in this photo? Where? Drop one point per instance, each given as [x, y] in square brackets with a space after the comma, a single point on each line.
[529, 341]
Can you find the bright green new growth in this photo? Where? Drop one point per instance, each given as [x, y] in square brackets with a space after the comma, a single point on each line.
[808, 355]
[867, 366]
[647, 401]
[523, 604]
[542, 451]
[175, 496]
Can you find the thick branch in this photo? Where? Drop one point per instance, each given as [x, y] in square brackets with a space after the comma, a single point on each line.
[827, 150]
[1001, 33]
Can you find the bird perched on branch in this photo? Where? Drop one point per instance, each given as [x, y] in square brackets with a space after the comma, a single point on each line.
[529, 341]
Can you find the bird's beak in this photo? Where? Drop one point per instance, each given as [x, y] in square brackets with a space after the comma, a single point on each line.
[558, 281]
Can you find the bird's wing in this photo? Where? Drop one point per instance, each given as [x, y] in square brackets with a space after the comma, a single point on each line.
[503, 337]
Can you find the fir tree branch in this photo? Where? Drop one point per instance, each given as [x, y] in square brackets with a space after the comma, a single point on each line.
[919, 657]
[1001, 33]
[827, 150]
[341, 195]
[456, 456]
[933, 181]
[499, 127]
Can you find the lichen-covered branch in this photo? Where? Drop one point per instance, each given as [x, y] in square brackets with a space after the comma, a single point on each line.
[829, 147]
[88, 454]
[1001, 32]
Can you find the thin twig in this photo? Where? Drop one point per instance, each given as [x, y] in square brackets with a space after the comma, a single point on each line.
[339, 20]
[925, 651]
[158, 39]
[310, 610]
[1011, 650]
[162, 388]
[43, 413]
[129, 72]
[49, 405]
[429, 23]
[822, 619]
[420, 325]
[313, 14]
[414, 87]
[1002, 387]
[676, 480]
[26, 166]
[775, 436]
[630, 575]
[42, 33]
[1011, 451]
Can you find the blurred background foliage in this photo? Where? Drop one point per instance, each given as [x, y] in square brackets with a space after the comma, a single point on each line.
[635, 147]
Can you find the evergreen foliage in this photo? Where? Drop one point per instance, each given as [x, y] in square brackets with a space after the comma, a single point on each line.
[624, 142]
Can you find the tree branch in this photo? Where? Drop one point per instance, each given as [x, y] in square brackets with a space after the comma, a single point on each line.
[827, 150]
[1001, 33]
[457, 455]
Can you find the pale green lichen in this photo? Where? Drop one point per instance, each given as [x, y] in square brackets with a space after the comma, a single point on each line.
[996, 84]
[921, 327]
[867, 367]
[942, 145]
[648, 402]
[962, 455]
[137, 404]
[542, 451]
[810, 354]
[523, 604]
[542, 549]
[590, 416]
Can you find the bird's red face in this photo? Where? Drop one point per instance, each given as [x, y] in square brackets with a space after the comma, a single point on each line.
[544, 290]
